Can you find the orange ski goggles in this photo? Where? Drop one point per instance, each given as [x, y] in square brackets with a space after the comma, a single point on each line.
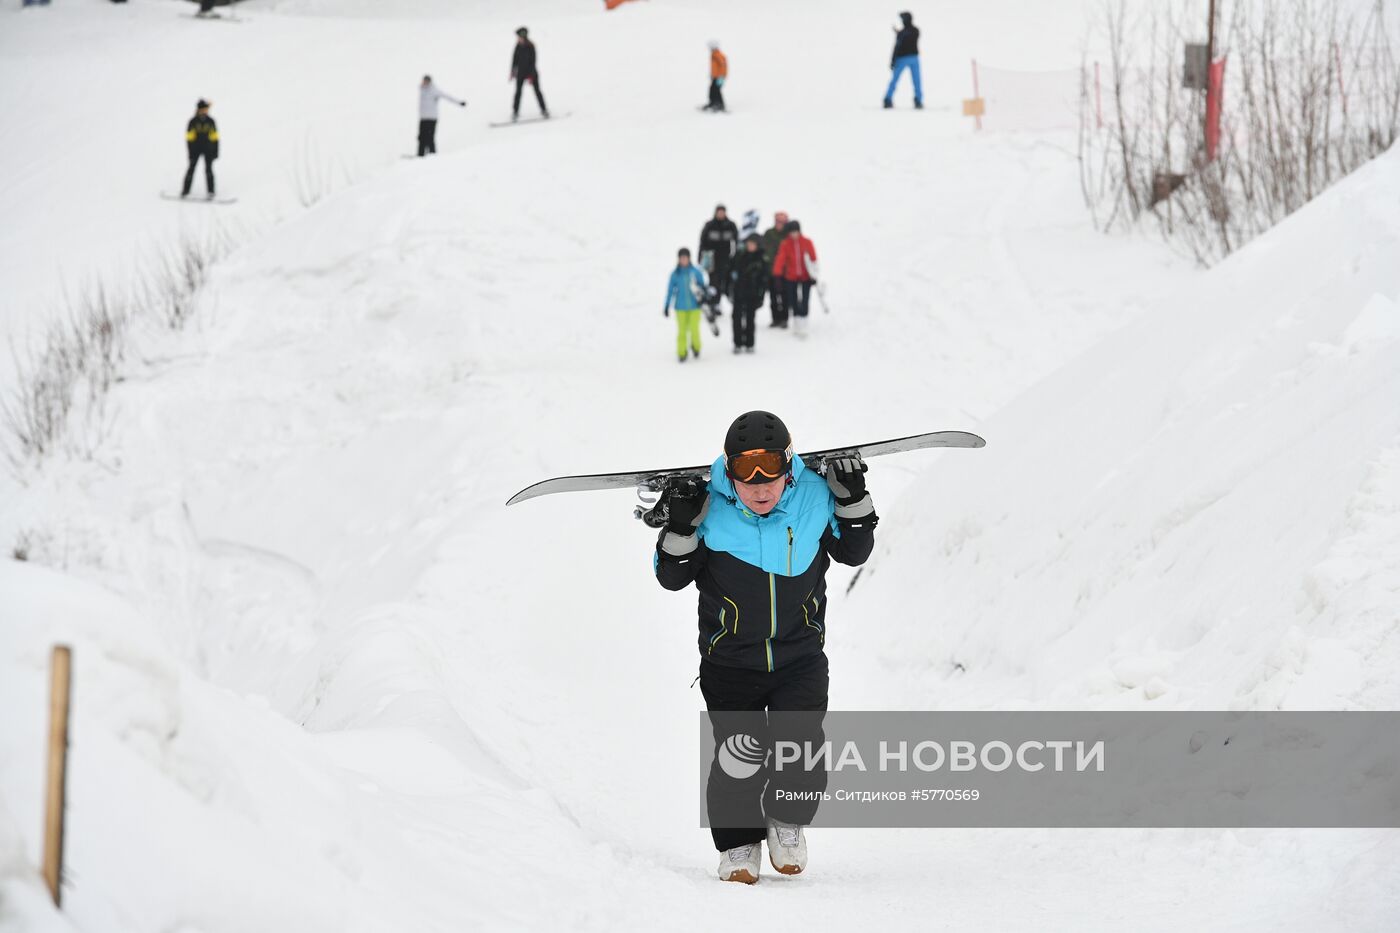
[760, 466]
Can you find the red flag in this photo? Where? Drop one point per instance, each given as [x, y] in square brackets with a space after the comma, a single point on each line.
[1215, 91]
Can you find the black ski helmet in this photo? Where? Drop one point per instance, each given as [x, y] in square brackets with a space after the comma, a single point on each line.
[756, 430]
[792, 227]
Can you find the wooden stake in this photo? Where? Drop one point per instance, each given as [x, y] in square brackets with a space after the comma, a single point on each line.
[60, 680]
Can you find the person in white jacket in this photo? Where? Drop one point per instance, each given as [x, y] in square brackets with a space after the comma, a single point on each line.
[428, 96]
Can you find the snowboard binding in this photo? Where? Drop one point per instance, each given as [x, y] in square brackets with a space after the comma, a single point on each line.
[654, 495]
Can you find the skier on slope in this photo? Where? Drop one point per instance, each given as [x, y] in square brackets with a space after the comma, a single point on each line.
[201, 142]
[428, 96]
[750, 277]
[905, 57]
[756, 542]
[719, 240]
[796, 265]
[683, 292]
[719, 70]
[772, 239]
[523, 70]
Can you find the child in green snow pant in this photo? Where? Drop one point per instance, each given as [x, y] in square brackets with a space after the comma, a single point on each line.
[687, 327]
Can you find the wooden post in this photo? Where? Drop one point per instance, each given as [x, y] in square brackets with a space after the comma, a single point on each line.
[60, 680]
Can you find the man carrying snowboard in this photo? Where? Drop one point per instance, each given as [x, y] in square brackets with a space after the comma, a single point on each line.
[683, 292]
[201, 142]
[756, 541]
[428, 96]
[719, 240]
[523, 71]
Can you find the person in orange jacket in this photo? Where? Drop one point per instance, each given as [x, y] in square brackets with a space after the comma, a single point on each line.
[719, 70]
[796, 265]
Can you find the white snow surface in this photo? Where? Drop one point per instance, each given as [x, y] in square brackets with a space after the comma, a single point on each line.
[326, 681]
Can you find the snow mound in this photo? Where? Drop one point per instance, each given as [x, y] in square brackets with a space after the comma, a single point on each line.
[1202, 511]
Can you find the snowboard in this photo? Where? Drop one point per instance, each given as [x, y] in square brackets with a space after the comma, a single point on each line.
[751, 221]
[221, 17]
[654, 486]
[193, 198]
[524, 120]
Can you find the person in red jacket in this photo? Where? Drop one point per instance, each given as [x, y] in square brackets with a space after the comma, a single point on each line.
[796, 265]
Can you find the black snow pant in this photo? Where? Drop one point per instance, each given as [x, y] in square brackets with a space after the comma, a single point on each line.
[777, 303]
[534, 80]
[797, 295]
[208, 172]
[743, 324]
[427, 137]
[801, 686]
[716, 98]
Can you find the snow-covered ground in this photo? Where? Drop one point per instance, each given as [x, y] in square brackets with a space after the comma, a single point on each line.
[326, 681]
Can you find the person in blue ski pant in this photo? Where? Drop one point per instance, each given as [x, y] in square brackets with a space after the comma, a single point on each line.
[906, 56]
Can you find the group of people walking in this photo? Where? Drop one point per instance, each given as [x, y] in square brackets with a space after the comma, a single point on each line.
[779, 265]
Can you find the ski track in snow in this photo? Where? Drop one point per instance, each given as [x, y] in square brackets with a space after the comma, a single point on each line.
[328, 682]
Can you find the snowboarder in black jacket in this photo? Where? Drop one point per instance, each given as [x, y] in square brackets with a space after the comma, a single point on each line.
[750, 278]
[201, 142]
[522, 69]
[719, 240]
[757, 541]
[905, 56]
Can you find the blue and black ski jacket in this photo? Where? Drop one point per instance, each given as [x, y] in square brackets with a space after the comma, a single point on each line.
[762, 579]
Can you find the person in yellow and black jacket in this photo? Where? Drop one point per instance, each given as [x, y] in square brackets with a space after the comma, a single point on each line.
[201, 141]
[757, 541]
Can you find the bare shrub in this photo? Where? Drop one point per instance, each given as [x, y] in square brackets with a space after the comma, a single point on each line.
[1310, 93]
[315, 176]
[62, 380]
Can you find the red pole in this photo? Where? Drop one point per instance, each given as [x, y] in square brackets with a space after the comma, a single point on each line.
[1098, 98]
[1215, 87]
[975, 92]
[1341, 86]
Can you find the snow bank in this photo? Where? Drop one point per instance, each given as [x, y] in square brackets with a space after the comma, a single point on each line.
[1203, 511]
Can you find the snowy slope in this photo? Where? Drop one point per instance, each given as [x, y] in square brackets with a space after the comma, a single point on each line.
[326, 681]
[1207, 504]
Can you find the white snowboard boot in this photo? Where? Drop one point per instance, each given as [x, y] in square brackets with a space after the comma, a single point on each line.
[740, 863]
[787, 847]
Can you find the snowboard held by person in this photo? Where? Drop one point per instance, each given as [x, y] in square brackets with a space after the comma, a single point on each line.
[719, 241]
[905, 58]
[777, 300]
[428, 96]
[750, 284]
[719, 71]
[201, 142]
[757, 541]
[523, 70]
[683, 292]
[796, 265]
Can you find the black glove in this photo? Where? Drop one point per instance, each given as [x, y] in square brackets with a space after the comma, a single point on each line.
[845, 477]
[686, 508]
[666, 310]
